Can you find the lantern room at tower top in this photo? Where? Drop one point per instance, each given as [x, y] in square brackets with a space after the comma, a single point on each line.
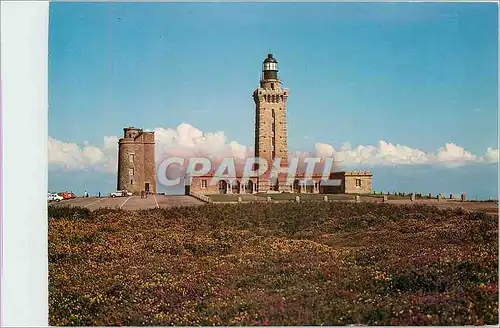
[269, 68]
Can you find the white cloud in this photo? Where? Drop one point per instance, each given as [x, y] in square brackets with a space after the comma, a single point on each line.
[323, 150]
[455, 155]
[384, 154]
[184, 141]
[71, 156]
[492, 155]
[188, 141]
[388, 154]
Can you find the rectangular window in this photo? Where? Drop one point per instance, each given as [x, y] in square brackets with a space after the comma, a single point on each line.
[358, 182]
[131, 158]
[131, 172]
[204, 184]
[131, 182]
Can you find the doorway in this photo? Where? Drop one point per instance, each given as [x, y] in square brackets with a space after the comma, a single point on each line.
[236, 187]
[249, 187]
[222, 187]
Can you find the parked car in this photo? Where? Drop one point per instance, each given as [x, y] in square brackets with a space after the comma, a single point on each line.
[67, 195]
[53, 197]
[120, 193]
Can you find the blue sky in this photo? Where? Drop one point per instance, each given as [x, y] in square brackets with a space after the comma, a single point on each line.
[415, 74]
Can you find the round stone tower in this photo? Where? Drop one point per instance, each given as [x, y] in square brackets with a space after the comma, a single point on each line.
[136, 161]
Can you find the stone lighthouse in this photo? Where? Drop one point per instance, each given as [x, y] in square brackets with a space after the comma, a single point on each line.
[136, 161]
[270, 121]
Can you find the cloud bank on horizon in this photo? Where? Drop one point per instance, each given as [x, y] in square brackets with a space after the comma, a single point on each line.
[187, 141]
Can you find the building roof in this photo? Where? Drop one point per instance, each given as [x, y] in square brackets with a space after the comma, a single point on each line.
[270, 59]
[353, 173]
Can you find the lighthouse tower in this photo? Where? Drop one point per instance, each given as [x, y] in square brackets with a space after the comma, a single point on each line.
[270, 121]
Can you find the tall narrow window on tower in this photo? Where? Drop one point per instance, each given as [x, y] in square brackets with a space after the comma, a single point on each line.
[274, 133]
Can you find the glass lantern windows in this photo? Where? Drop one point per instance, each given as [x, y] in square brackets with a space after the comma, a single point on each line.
[270, 67]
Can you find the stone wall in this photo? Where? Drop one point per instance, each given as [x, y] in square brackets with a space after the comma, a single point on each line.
[349, 185]
[128, 180]
[149, 161]
[357, 183]
[331, 189]
[196, 186]
[205, 185]
[313, 185]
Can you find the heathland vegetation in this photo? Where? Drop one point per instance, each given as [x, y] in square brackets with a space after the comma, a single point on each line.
[311, 263]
